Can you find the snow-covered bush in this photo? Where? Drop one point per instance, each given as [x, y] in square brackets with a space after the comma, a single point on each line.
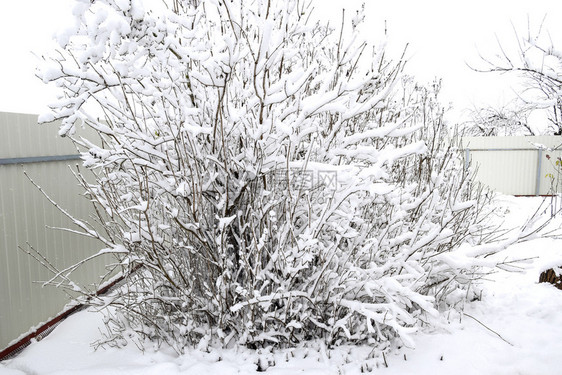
[277, 181]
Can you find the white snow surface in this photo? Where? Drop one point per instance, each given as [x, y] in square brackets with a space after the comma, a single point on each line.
[516, 328]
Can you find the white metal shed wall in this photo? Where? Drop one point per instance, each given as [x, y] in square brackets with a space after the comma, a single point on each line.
[514, 165]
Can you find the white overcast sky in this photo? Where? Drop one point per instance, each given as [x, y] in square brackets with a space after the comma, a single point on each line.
[443, 35]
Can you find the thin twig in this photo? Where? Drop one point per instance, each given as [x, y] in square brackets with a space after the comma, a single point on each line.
[488, 328]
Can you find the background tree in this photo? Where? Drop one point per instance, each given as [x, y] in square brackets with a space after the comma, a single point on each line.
[538, 64]
[505, 121]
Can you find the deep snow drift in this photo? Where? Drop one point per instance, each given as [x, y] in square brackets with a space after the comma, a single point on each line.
[516, 328]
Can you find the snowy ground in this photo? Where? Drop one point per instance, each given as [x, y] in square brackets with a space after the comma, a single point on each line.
[515, 329]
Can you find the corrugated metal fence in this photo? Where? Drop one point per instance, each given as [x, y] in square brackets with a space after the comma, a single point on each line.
[515, 165]
[24, 215]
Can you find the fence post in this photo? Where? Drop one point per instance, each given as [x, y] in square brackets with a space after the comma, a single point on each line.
[539, 167]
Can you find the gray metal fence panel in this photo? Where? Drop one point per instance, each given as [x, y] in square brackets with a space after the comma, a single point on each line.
[24, 217]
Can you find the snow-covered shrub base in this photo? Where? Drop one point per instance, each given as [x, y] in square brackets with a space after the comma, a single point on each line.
[277, 182]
